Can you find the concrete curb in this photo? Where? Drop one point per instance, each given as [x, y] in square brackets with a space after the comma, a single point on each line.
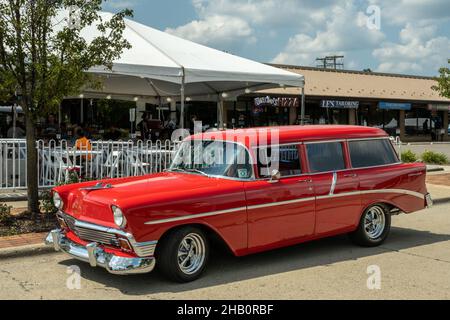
[27, 250]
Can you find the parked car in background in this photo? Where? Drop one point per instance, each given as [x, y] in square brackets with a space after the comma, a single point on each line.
[295, 184]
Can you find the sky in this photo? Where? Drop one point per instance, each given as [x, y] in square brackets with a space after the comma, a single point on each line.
[402, 36]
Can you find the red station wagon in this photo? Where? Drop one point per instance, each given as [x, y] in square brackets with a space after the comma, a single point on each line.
[273, 187]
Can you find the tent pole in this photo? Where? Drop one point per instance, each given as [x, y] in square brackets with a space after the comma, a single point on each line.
[302, 112]
[220, 107]
[182, 99]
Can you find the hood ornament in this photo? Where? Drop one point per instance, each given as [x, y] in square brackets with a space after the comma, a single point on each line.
[98, 186]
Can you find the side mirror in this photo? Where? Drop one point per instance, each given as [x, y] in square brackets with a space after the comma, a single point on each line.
[275, 176]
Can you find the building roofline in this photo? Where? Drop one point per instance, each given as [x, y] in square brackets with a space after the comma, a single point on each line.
[382, 74]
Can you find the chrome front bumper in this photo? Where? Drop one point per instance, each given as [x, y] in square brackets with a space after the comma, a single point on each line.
[96, 256]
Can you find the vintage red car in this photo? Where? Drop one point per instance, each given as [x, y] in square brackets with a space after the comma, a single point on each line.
[253, 189]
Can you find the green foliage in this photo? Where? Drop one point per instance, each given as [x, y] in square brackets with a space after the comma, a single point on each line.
[5, 213]
[408, 156]
[47, 206]
[434, 157]
[43, 56]
[443, 82]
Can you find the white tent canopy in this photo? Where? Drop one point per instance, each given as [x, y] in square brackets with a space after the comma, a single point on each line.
[162, 65]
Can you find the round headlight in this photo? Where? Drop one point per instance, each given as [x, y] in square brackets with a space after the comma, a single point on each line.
[119, 218]
[57, 201]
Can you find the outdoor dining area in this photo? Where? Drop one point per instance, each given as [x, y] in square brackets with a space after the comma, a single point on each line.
[58, 162]
[158, 69]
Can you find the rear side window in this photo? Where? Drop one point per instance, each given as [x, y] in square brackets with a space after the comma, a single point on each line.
[327, 156]
[287, 161]
[369, 153]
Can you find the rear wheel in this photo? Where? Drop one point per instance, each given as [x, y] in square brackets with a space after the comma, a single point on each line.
[183, 254]
[373, 227]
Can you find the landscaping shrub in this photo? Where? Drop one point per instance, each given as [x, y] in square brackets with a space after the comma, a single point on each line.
[434, 157]
[5, 213]
[408, 156]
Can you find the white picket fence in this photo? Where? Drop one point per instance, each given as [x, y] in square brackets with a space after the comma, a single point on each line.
[57, 160]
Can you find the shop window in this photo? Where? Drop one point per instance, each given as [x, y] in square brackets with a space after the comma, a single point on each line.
[369, 153]
[324, 157]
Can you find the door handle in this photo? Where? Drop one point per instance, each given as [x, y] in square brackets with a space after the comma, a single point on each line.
[415, 174]
[309, 180]
[350, 175]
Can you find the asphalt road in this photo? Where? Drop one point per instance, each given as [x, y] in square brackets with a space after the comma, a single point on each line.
[414, 263]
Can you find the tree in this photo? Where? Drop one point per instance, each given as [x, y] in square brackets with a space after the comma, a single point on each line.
[443, 81]
[44, 58]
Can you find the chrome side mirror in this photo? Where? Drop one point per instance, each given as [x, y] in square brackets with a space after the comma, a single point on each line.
[275, 176]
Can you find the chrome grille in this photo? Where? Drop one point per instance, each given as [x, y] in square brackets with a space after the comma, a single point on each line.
[96, 236]
[145, 249]
[92, 235]
[70, 221]
[104, 235]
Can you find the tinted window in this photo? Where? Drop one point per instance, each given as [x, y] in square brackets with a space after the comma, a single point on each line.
[370, 153]
[287, 161]
[325, 157]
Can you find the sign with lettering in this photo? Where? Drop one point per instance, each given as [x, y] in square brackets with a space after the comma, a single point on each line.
[439, 107]
[339, 104]
[282, 102]
[394, 106]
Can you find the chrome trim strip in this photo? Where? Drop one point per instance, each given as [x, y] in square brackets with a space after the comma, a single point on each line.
[333, 183]
[279, 203]
[194, 216]
[400, 191]
[352, 193]
[323, 141]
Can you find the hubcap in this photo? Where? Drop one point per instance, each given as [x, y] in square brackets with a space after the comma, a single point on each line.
[374, 222]
[191, 253]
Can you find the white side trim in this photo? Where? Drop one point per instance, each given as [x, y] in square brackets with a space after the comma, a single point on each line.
[280, 203]
[194, 216]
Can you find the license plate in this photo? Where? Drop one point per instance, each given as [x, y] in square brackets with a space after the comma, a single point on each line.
[428, 200]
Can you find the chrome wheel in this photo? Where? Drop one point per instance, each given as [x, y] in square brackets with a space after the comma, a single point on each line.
[374, 222]
[191, 253]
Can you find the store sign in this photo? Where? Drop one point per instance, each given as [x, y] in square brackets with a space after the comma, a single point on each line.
[439, 107]
[338, 104]
[394, 106]
[277, 102]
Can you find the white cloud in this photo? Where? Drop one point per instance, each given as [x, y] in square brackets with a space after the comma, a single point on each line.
[344, 31]
[233, 22]
[217, 30]
[120, 4]
[412, 38]
[420, 51]
[403, 11]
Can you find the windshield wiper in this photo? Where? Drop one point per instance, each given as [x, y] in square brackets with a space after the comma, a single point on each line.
[189, 170]
[197, 171]
[176, 169]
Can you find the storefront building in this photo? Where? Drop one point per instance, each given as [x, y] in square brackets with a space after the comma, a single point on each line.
[402, 105]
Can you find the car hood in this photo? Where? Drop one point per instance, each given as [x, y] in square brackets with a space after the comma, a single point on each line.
[131, 194]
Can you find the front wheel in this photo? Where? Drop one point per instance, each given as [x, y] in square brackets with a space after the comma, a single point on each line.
[183, 254]
[373, 227]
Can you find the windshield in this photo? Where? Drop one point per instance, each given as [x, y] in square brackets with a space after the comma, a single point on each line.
[213, 158]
